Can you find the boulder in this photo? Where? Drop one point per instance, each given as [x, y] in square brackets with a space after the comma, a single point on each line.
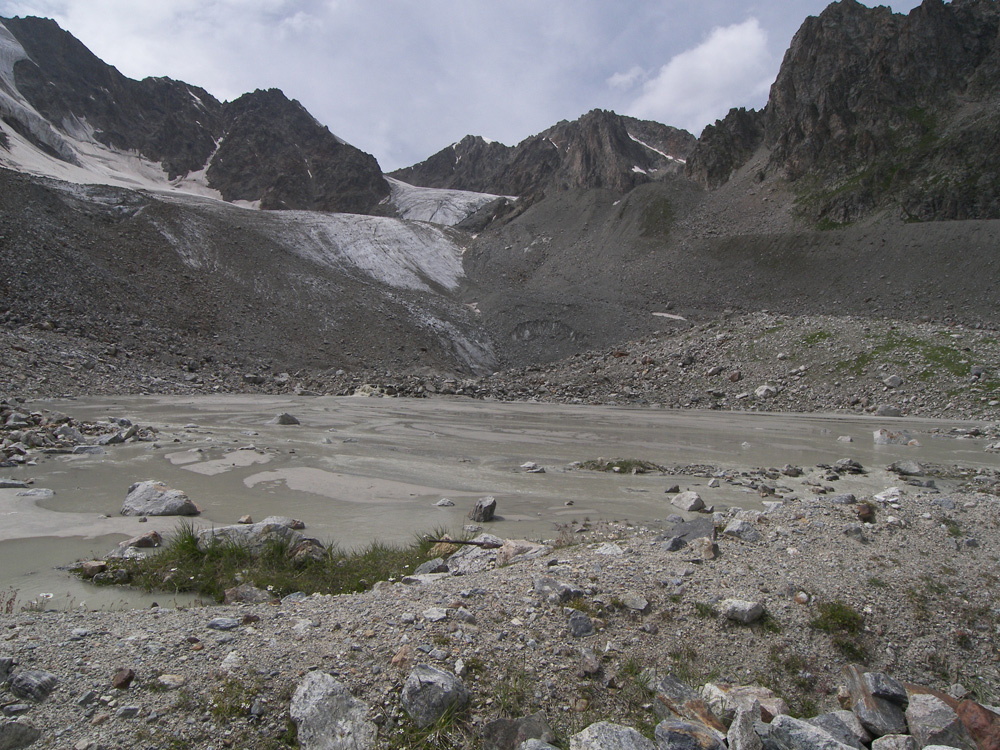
[247, 593]
[580, 624]
[504, 734]
[520, 548]
[845, 726]
[607, 736]
[742, 734]
[35, 685]
[934, 722]
[726, 700]
[675, 700]
[430, 693]
[906, 468]
[742, 611]
[742, 530]
[687, 735]
[256, 537]
[795, 734]
[895, 742]
[328, 717]
[151, 498]
[284, 419]
[983, 724]
[484, 509]
[15, 735]
[689, 501]
[878, 715]
[143, 541]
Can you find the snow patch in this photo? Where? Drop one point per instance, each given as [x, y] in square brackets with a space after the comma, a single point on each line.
[669, 316]
[639, 170]
[666, 156]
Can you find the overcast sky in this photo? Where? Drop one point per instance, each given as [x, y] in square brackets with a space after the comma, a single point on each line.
[402, 79]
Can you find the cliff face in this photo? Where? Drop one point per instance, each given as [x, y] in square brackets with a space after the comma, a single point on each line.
[599, 150]
[260, 147]
[872, 109]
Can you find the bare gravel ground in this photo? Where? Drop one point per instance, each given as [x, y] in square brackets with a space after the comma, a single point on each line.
[922, 579]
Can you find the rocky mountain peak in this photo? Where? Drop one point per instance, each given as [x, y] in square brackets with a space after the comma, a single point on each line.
[261, 147]
[275, 152]
[883, 108]
[601, 149]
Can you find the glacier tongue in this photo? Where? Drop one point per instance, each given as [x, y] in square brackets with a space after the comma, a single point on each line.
[437, 206]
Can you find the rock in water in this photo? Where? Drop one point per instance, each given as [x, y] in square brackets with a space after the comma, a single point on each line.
[151, 498]
[285, 419]
[689, 501]
[328, 717]
[484, 510]
[429, 693]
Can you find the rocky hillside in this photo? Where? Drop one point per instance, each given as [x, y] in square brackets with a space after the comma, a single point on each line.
[873, 110]
[599, 150]
[259, 148]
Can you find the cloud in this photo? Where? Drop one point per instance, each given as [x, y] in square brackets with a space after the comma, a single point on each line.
[627, 79]
[731, 68]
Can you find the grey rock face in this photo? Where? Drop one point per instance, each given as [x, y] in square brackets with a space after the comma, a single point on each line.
[328, 717]
[742, 733]
[844, 726]
[895, 742]
[429, 693]
[933, 722]
[34, 685]
[254, 536]
[151, 498]
[607, 736]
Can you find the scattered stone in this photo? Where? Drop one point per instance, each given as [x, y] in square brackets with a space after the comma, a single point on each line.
[437, 565]
[150, 498]
[91, 568]
[143, 541]
[429, 693]
[893, 381]
[906, 468]
[888, 437]
[444, 503]
[245, 519]
[12, 484]
[580, 624]
[223, 623]
[171, 681]
[765, 392]
[555, 592]
[122, 679]
[484, 510]
[795, 734]
[703, 548]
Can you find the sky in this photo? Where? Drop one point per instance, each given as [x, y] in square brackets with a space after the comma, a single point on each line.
[402, 79]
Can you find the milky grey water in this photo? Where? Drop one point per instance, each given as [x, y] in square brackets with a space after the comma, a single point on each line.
[357, 469]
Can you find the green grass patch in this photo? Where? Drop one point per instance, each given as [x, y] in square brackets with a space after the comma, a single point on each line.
[658, 219]
[705, 610]
[816, 337]
[622, 466]
[182, 567]
[845, 625]
[837, 617]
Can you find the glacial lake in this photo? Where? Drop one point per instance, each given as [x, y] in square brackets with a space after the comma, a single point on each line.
[358, 469]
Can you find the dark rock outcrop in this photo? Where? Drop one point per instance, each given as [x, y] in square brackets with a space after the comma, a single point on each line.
[274, 151]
